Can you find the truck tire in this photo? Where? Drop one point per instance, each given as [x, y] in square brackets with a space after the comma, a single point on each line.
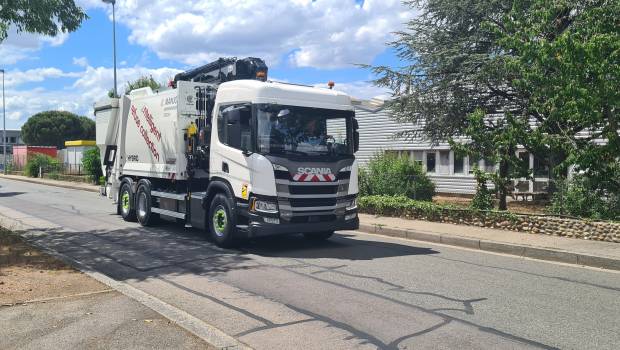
[144, 203]
[222, 221]
[318, 236]
[126, 203]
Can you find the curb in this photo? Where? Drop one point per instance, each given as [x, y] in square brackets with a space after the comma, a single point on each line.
[63, 185]
[496, 247]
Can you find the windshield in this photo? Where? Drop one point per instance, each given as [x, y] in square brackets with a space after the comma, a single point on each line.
[303, 130]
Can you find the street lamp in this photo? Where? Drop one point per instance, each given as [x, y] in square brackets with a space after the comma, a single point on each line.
[113, 2]
[3, 126]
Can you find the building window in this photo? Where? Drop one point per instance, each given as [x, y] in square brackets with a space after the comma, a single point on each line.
[430, 162]
[444, 162]
[541, 167]
[473, 164]
[489, 166]
[458, 164]
[418, 157]
[12, 139]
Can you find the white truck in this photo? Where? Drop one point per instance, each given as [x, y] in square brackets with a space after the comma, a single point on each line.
[226, 150]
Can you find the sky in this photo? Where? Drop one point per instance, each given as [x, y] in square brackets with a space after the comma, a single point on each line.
[302, 41]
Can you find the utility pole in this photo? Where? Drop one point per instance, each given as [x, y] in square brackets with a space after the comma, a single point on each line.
[113, 2]
[3, 126]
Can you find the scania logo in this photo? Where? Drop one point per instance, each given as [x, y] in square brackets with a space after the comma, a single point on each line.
[321, 171]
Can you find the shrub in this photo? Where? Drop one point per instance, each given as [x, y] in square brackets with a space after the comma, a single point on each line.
[91, 162]
[579, 197]
[483, 199]
[40, 161]
[391, 175]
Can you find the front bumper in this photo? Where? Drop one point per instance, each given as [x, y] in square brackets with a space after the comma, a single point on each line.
[258, 228]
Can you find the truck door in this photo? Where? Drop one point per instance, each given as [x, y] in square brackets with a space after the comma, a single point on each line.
[232, 140]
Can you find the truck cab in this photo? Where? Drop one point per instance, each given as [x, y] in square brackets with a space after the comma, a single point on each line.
[287, 152]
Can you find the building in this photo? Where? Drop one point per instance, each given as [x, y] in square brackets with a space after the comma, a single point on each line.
[13, 137]
[450, 173]
[71, 156]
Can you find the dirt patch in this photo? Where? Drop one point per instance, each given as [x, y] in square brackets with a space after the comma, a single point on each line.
[27, 274]
[515, 206]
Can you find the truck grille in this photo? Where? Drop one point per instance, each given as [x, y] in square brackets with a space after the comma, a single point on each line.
[308, 202]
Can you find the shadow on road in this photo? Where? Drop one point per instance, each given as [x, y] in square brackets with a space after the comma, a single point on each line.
[169, 249]
[341, 246]
[10, 194]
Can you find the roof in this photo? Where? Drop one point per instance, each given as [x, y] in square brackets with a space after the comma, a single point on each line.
[80, 143]
[282, 93]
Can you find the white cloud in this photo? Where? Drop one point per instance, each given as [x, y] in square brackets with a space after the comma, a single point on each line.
[89, 86]
[321, 33]
[20, 46]
[80, 61]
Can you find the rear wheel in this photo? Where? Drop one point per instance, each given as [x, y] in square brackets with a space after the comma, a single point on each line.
[126, 203]
[318, 236]
[143, 206]
[222, 223]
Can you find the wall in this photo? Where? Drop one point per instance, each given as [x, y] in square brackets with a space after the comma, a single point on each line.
[535, 224]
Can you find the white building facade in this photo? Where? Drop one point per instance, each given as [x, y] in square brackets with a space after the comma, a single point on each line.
[450, 173]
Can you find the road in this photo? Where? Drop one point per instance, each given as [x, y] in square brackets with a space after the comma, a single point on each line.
[354, 291]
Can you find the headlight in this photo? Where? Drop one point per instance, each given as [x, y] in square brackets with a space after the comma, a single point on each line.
[352, 205]
[265, 206]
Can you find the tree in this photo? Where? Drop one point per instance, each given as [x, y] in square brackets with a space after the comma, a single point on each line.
[91, 160]
[550, 66]
[141, 82]
[53, 128]
[47, 17]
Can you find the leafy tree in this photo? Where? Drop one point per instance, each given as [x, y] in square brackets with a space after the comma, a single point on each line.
[53, 128]
[91, 160]
[141, 82]
[565, 60]
[48, 17]
[550, 68]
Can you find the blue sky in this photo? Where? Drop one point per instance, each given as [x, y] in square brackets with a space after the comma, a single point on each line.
[303, 41]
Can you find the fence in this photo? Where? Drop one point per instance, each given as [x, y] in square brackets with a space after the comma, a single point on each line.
[18, 164]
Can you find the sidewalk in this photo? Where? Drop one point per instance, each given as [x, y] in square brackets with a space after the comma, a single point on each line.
[44, 303]
[568, 250]
[65, 184]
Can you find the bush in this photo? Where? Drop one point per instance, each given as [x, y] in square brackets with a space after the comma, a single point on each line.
[483, 199]
[579, 197]
[41, 161]
[392, 175]
[91, 162]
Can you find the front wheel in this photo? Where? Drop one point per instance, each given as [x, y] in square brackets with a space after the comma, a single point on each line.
[126, 203]
[318, 236]
[222, 223]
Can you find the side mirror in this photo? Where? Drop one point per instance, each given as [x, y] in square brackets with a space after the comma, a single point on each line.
[110, 155]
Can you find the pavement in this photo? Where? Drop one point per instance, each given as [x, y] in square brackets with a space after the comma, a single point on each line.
[107, 320]
[568, 250]
[356, 290]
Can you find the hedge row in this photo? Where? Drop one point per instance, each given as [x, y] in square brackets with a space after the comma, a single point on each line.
[405, 207]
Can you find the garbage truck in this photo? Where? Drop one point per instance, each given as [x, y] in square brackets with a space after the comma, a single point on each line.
[224, 149]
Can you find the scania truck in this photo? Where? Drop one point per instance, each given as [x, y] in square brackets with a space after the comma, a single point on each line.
[226, 150]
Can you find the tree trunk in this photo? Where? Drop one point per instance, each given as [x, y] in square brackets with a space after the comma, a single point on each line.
[503, 174]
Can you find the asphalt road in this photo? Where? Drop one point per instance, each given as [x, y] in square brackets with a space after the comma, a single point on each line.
[354, 291]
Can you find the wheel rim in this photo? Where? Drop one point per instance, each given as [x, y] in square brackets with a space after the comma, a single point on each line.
[142, 205]
[220, 220]
[125, 201]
